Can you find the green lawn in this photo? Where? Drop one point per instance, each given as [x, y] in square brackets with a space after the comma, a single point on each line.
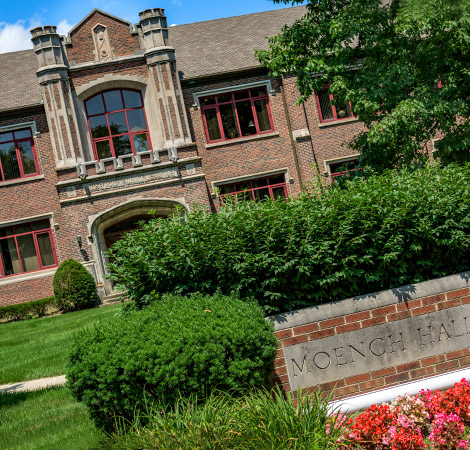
[38, 348]
[49, 420]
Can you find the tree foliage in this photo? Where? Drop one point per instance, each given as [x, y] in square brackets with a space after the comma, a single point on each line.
[396, 228]
[386, 57]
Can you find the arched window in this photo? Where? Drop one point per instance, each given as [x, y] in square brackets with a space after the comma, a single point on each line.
[117, 122]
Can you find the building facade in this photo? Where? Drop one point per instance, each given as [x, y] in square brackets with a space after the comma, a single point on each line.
[101, 126]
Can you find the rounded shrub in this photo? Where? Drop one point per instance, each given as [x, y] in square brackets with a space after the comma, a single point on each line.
[178, 346]
[74, 287]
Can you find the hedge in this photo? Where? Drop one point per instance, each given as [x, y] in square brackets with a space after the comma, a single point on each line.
[178, 346]
[29, 310]
[380, 233]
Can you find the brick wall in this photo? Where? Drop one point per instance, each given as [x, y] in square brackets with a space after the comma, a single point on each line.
[384, 308]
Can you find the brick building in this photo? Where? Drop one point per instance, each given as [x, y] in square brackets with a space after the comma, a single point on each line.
[113, 120]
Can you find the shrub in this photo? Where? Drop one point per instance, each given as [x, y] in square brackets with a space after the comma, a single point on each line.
[396, 228]
[178, 346]
[74, 287]
[258, 420]
[28, 310]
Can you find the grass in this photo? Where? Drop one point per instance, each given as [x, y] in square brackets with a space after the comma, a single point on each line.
[49, 419]
[38, 348]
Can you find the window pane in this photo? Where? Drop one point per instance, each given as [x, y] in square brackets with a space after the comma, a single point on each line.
[99, 127]
[122, 145]
[227, 189]
[261, 194]
[262, 115]
[5, 137]
[9, 255]
[6, 231]
[45, 249]
[243, 186]
[140, 143]
[224, 98]
[277, 179]
[113, 101]
[25, 228]
[207, 101]
[241, 95]
[343, 111]
[95, 105]
[325, 105]
[27, 157]
[42, 225]
[132, 99]
[229, 121]
[212, 124]
[136, 119]
[260, 92]
[9, 161]
[103, 149]
[279, 192]
[245, 117]
[29, 258]
[260, 182]
[117, 123]
[23, 134]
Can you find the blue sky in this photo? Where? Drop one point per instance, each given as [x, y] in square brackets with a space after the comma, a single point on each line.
[17, 18]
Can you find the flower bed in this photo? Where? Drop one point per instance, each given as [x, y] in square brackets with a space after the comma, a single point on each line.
[428, 420]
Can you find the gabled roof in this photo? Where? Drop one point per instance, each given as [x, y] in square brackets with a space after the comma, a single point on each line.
[202, 48]
[225, 45]
[96, 10]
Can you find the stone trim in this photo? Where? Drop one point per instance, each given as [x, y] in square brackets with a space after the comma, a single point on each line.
[49, 216]
[346, 158]
[243, 139]
[110, 81]
[21, 180]
[104, 63]
[364, 303]
[17, 126]
[337, 122]
[27, 276]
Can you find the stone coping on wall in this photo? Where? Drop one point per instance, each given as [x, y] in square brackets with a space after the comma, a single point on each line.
[370, 301]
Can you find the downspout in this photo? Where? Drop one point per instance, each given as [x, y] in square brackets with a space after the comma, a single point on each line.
[291, 136]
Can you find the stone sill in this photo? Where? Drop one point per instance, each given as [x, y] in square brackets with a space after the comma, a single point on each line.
[337, 122]
[21, 180]
[243, 139]
[27, 276]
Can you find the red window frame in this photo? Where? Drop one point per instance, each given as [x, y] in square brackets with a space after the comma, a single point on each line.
[18, 155]
[252, 99]
[106, 112]
[343, 172]
[34, 233]
[333, 108]
[252, 189]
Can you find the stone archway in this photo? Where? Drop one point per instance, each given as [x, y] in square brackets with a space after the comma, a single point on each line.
[107, 227]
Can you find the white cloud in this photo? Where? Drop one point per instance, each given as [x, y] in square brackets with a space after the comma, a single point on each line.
[176, 2]
[64, 27]
[16, 36]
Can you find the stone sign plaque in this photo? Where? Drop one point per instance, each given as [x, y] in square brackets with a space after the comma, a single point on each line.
[378, 347]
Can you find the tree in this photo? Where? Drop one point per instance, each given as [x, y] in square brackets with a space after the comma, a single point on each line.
[403, 64]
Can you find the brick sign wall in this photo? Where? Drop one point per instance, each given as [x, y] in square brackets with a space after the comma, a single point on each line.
[370, 342]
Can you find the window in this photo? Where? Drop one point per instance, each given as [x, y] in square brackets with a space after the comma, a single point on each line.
[236, 114]
[117, 122]
[338, 169]
[328, 111]
[27, 247]
[257, 189]
[17, 155]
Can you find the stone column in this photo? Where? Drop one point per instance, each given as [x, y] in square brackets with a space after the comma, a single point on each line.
[161, 62]
[57, 96]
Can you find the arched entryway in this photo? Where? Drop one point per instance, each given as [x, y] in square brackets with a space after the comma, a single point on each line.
[109, 226]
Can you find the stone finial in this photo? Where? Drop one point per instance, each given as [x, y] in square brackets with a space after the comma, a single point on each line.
[154, 12]
[47, 46]
[41, 31]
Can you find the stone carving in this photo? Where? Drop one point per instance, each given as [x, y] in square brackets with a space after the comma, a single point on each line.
[348, 354]
[130, 180]
[102, 46]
